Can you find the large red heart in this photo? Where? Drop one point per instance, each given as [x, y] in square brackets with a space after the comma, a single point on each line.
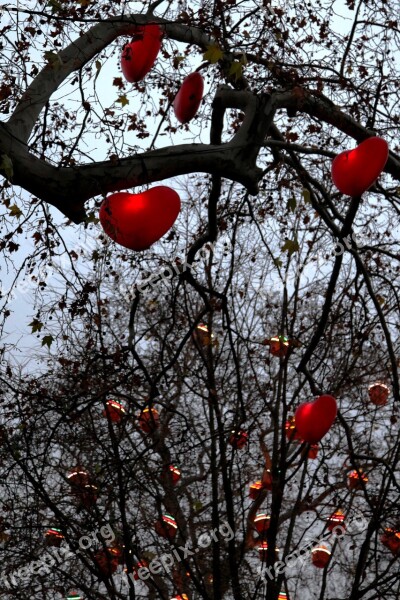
[354, 171]
[314, 419]
[139, 55]
[187, 100]
[136, 221]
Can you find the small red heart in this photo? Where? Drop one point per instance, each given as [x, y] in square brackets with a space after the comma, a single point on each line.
[314, 419]
[136, 221]
[354, 171]
[140, 55]
[187, 100]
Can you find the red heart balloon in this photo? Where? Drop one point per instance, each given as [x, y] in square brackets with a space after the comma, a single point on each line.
[314, 419]
[136, 221]
[354, 171]
[187, 100]
[140, 54]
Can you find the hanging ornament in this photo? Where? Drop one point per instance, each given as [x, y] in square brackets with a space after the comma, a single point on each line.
[336, 519]
[255, 490]
[238, 439]
[166, 527]
[313, 451]
[107, 559]
[139, 55]
[136, 221]
[73, 595]
[263, 549]
[149, 420]
[314, 419]
[320, 556]
[261, 522]
[291, 431]
[354, 171]
[279, 345]
[355, 479]
[54, 537]
[187, 100]
[172, 473]
[114, 411]
[378, 393]
[391, 539]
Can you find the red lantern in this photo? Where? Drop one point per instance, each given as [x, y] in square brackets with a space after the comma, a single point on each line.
[391, 539]
[82, 488]
[149, 420]
[261, 522]
[355, 480]
[337, 518]
[114, 411]
[279, 345]
[354, 171]
[238, 439]
[320, 556]
[378, 393]
[187, 100]
[313, 451]
[291, 431]
[74, 596]
[139, 55]
[180, 597]
[203, 336]
[255, 490]
[314, 419]
[136, 221]
[166, 527]
[263, 549]
[107, 559]
[54, 537]
[172, 472]
[283, 596]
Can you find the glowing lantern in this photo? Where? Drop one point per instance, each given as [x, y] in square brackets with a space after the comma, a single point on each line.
[279, 345]
[313, 451]
[255, 490]
[378, 393]
[203, 336]
[74, 596]
[149, 420]
[320, 556]
[54, 537]
[136, 221]
[263, 549]
[187, 100]
[391, 539]
[261, 522]
[82, 488]
[283, 596]
[172, 472]
[238, 439]
[355, 480]
[114, 411]
[314, 419]
[290, 430]
[107, 559]
[267, 480]
[354, 171]
[336, 518]
[139, 55]
[180, 597]
[166, 527]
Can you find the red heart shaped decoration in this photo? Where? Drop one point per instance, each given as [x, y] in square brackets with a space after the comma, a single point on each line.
[314, 419]
[187, 100]
[354, 171]
[139, 55]
[136, 221]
